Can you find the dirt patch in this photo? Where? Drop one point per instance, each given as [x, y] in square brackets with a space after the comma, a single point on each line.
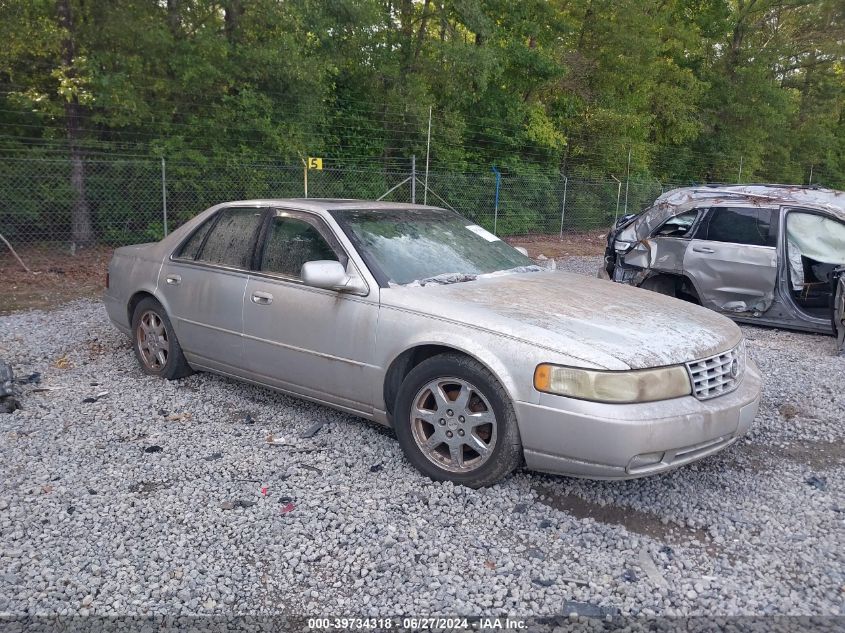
[816, 455]
[632, 520]
[59, 276]
[583, 244]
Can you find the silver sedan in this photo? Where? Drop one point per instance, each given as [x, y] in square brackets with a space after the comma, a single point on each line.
[419, 319]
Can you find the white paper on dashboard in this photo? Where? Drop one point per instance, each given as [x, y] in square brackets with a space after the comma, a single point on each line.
[487, 235]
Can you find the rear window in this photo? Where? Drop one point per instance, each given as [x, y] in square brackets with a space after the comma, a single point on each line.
[740, 225]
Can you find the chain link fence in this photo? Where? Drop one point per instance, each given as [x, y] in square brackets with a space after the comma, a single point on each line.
[139, 200]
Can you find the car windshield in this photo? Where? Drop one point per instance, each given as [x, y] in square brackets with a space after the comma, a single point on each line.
[419, 245]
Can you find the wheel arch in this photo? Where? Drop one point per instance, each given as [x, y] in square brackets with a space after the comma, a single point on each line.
[405, 361]
[679, 280]
[134, 300]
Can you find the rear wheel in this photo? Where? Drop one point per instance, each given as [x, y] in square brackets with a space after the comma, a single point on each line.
[155, 343]
[456, 423]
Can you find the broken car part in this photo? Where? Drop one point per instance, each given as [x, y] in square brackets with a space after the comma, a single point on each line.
[764, 254]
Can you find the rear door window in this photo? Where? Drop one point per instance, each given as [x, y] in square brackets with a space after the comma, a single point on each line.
[232, 240]
[740, 225]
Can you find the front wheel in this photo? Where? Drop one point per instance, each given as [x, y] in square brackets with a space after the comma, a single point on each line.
[155, 343]
[455, 422]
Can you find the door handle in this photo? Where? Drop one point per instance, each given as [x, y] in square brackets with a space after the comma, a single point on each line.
[262, 298]
[173, 280]
[702, 249]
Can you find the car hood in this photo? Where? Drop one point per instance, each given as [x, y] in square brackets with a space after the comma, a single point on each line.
[600, 323]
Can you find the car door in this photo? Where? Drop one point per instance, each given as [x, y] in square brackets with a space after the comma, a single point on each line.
[732, 258]
[311, 341]
[202, 287]
[839, 307]
[669, 242]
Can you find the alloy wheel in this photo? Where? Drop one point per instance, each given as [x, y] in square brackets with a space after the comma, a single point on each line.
[453, 424]
[152, 341]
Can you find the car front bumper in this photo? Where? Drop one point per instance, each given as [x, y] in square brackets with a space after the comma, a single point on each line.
[612, 441]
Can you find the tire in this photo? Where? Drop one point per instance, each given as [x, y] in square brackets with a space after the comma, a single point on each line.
[155, 344]
[448, 406]
[660, 284]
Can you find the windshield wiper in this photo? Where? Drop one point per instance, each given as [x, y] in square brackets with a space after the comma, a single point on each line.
[448, 278]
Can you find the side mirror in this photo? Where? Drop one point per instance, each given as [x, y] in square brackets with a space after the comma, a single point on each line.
[331, 275]
[522, 250]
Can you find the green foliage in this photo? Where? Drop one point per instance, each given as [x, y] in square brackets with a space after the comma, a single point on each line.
[688, 89]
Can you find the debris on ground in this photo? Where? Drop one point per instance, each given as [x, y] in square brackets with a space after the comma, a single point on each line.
[33, 378]
[311, 468]
[214, 456]
[819, 483]
[276, 441]
[630, 576]
[650, 569]
[312, 430]
[153, 449]
[376, 467]
[287, 508]
[63, 362]
[92, 399]
[8, 401]
[788, 411]
[543, 582]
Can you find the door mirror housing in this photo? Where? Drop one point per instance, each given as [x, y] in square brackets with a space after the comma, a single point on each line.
[331, 275]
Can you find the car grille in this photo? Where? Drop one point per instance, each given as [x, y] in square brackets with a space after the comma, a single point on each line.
[718, 374]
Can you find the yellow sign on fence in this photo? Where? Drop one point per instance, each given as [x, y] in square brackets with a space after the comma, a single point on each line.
[315, 163]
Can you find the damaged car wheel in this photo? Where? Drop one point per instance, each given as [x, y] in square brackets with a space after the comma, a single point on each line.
[456, 423]
[155, 343]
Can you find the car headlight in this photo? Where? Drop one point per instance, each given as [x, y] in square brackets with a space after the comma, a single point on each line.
[621, 246]
[641, 385]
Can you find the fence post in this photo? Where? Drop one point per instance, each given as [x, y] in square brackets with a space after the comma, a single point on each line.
[627, 180]
[563, 206]
[496, 202]
[164, 195]
[739, 178]
[413, 179]
[618, 195]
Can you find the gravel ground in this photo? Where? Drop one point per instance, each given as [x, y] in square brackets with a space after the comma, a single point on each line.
[165, 498]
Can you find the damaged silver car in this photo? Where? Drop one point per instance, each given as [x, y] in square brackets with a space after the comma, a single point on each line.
[766, 254]
[417, 318]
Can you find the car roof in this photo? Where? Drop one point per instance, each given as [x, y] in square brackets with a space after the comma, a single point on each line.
[759, 195]
[334, 204]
